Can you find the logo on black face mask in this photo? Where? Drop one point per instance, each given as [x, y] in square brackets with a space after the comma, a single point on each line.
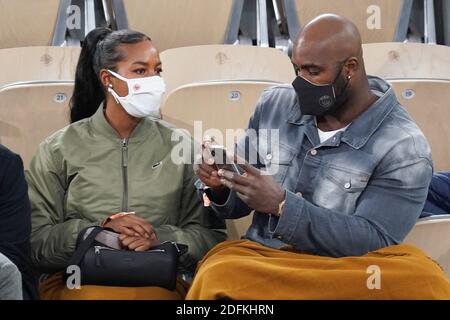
[325, 101]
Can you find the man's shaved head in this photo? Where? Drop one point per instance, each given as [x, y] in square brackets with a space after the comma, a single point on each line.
[327, 48]
[328, 51]
[329, 36]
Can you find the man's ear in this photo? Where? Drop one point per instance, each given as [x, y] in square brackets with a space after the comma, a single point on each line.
[352, 66]
[105, 78]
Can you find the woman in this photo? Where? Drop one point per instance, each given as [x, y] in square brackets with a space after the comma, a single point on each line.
[114, 159]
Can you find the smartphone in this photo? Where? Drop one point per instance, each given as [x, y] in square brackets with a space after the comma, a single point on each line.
[222, 160]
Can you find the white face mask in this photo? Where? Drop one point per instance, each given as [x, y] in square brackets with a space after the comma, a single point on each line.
[144, 96]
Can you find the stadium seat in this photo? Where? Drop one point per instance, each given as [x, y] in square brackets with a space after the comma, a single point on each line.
[427, 103]
[27, 23]
[377, 20]
[224, 62]
[37, 64]
[395, 60]
[176, 23]
[218, 105]
[432, 235]
[29, 113]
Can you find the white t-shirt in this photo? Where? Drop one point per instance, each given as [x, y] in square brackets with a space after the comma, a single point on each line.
[325, 135]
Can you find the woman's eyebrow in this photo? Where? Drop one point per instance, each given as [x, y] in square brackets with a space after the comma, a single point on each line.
[141, 63]
[145, 63]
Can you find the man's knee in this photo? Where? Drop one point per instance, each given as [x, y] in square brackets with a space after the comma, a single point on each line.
[220, 269]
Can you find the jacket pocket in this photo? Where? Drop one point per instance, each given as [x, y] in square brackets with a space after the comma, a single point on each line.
[277, 162]
[338, 189]
[349, 181]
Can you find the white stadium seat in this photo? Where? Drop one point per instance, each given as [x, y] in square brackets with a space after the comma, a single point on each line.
[29, 113]
[224, 62]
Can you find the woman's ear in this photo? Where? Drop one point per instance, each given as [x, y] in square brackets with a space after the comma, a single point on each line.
[105, 78]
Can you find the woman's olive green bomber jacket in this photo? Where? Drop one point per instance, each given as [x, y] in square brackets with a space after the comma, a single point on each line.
[85, 172]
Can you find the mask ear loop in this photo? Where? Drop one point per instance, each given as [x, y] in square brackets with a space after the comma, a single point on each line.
[339, 73]
[110, 89]
[113, 93]
[118, 76]
[335, 79]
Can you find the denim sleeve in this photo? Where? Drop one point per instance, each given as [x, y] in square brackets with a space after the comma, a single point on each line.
[386, 211]
[233, 208]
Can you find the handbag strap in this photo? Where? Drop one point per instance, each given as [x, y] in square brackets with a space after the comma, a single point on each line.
[182, 248]
[84, 246]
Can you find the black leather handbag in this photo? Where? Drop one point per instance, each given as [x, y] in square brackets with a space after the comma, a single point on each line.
[106, 265]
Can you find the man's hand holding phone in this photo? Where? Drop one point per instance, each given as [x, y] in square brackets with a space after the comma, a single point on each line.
[260, 192]
[206, 169]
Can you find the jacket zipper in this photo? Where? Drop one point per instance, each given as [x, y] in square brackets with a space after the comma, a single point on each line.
[125, 175]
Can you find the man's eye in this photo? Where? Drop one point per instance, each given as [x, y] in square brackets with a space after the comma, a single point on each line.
[313, 72]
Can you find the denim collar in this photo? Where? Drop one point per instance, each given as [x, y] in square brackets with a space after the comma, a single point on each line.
[363, 127]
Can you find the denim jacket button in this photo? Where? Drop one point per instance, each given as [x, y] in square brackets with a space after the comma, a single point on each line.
[269, 156]
[313, 152]
[347, 185]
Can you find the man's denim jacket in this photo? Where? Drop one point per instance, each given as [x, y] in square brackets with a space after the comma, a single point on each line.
[361, 190]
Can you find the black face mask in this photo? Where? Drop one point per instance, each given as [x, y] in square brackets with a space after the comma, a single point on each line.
[319, 99]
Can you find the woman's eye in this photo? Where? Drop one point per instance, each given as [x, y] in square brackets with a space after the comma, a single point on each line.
[140, 71]
[158, 71]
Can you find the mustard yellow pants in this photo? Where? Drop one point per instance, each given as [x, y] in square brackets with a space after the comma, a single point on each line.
[248, 270]
[54, 289]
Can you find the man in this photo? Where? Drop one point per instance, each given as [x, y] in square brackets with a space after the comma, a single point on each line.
[351, 174]
[15, 222]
